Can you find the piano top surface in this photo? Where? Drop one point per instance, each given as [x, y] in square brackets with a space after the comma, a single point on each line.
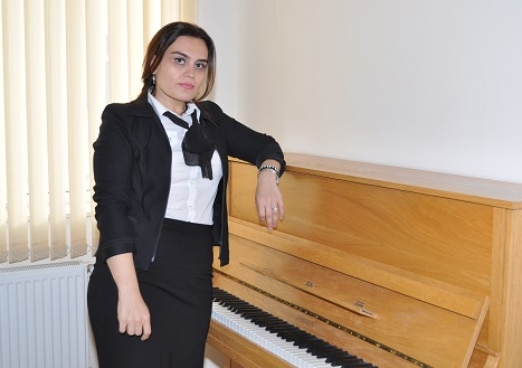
[482, 191]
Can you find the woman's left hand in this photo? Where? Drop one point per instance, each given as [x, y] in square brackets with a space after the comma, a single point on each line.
[269, 200]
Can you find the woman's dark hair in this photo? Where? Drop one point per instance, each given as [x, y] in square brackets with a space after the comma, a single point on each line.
[162, 41]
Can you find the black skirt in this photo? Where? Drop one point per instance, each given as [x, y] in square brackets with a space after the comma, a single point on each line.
[178, 292]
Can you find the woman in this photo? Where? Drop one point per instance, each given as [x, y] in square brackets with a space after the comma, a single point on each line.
[160, 167]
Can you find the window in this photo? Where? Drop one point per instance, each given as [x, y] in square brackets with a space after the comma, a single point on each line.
[62, 62]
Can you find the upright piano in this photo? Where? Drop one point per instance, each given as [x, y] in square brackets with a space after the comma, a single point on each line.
[377, 266]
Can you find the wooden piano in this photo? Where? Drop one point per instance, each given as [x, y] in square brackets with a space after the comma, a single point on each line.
[399, 267]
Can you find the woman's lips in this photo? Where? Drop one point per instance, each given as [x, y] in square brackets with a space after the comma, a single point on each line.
[187, 85]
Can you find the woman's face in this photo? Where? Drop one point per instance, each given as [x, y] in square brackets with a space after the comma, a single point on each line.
[181, 72]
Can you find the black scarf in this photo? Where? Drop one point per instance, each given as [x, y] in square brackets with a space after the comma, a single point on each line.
[197, 147]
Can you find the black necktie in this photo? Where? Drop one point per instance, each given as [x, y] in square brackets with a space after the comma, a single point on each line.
[177, 120]
[196, 146]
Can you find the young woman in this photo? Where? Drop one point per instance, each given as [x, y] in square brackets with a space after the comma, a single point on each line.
[160, 167]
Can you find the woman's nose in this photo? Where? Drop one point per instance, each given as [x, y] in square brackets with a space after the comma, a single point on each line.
[189, 71]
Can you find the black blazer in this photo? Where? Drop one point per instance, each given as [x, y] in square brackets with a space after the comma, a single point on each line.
[132, 169]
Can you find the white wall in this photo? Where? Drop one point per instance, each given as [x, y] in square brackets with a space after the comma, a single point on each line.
[218, 18]
[435, 85]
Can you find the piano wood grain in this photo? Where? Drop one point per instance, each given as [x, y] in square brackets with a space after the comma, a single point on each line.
[462, 232]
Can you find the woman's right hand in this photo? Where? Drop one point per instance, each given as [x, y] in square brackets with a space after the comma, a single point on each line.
[133, 313]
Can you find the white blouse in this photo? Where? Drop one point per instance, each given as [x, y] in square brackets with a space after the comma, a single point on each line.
[191, 196]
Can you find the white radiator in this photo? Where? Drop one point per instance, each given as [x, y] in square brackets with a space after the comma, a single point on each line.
[43, 316]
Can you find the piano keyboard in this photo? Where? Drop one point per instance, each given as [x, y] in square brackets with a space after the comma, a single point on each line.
[289, 343]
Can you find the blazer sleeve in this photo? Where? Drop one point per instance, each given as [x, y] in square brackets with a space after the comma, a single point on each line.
[245, 143]
[113, 165]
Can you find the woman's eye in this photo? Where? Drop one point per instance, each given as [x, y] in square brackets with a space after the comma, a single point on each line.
[201, 65]
[179, 60]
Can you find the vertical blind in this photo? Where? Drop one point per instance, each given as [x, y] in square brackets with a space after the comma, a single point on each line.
[62, 61]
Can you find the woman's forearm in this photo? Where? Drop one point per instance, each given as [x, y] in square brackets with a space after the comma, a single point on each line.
[123, 272]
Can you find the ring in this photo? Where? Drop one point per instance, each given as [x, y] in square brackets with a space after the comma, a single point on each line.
[275, 209]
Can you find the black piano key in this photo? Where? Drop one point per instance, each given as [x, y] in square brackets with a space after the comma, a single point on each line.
[361, 364]
[281, 329]
[286, 336]
[304, 340]
[349, 361]
[321, 349]
[322, 353]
